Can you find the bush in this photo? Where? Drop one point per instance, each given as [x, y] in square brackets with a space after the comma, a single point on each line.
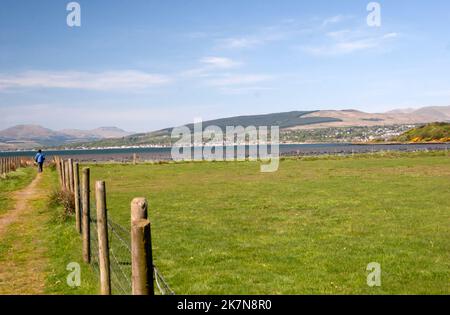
[65, 199]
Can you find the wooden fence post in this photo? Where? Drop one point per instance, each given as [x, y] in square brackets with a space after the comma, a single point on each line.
[71, 181]
[141, 249]
[103, 246]
[57, 169]
[86, 216]
[66, 175]
[76, 173]
[63, 170]
[63, 180]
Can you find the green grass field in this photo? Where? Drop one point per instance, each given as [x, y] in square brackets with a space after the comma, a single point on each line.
[310, 228]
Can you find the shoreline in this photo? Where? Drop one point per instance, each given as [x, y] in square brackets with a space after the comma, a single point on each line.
[52, 149]
[127, 154]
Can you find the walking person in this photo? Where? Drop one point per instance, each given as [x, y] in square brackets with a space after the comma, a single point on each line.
[40, 158]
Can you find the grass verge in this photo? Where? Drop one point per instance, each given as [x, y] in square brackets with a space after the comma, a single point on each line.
[64, 246]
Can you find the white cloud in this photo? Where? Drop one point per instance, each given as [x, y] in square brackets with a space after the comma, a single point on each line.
[284, 30]
[210, 66]
[219, 62]
[334, 20]
[102, 81]
[346, 42]
[240, 42]
[238, 79]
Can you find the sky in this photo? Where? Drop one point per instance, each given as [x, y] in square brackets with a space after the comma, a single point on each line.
[144, 65]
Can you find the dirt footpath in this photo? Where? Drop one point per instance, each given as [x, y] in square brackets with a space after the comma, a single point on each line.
[22, 256]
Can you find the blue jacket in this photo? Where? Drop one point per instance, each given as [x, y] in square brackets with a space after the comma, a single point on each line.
[39, 158]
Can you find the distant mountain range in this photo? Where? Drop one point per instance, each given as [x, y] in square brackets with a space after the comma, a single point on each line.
[32, 136]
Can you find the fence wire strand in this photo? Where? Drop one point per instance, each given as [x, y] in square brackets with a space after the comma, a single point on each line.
[120, 259]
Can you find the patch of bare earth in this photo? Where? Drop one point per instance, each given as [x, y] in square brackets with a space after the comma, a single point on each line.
[23, 261]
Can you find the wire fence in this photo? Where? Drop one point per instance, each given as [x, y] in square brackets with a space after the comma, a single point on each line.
[119, 237]
[120, 259]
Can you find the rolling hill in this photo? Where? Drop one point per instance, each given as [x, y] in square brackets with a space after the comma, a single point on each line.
[284, 120]
[434, 132]
[296, 120]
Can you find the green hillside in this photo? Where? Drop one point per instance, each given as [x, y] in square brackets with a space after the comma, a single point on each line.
[283, 120]
[435, 132]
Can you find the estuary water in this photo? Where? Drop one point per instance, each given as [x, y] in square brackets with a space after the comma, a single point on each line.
[164, 153]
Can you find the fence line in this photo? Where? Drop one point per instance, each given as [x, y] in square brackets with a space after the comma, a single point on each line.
[129, 272]
[10, 164]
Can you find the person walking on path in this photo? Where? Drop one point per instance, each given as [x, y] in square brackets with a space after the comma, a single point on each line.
[40, 158]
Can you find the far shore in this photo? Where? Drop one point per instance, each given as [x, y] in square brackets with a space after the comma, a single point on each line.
[215, 145]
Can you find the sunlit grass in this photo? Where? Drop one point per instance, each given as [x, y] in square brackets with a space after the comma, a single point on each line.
[310, 228]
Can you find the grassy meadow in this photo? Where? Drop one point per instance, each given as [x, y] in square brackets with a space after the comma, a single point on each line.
[310, 228]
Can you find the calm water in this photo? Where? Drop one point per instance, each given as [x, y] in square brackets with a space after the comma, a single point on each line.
[285, 149]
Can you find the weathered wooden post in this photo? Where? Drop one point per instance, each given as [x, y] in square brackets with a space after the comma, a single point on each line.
[141, 249]
[76, 173]
[58, 167]
[71, 179]
[61, 166]
[85, 196]
[67, 176]
[134, 159]
[63, 170]
[62, 174]
[103, 246]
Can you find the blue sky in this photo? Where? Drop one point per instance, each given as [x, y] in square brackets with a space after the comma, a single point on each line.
[145, 65]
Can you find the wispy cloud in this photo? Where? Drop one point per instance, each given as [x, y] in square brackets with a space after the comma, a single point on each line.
[211, 65]
[346, 42]
[239, 79]
[283, 30]
[220, 62]
[101, 81]
[334, 20]
[241, 42]
[220, 73]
